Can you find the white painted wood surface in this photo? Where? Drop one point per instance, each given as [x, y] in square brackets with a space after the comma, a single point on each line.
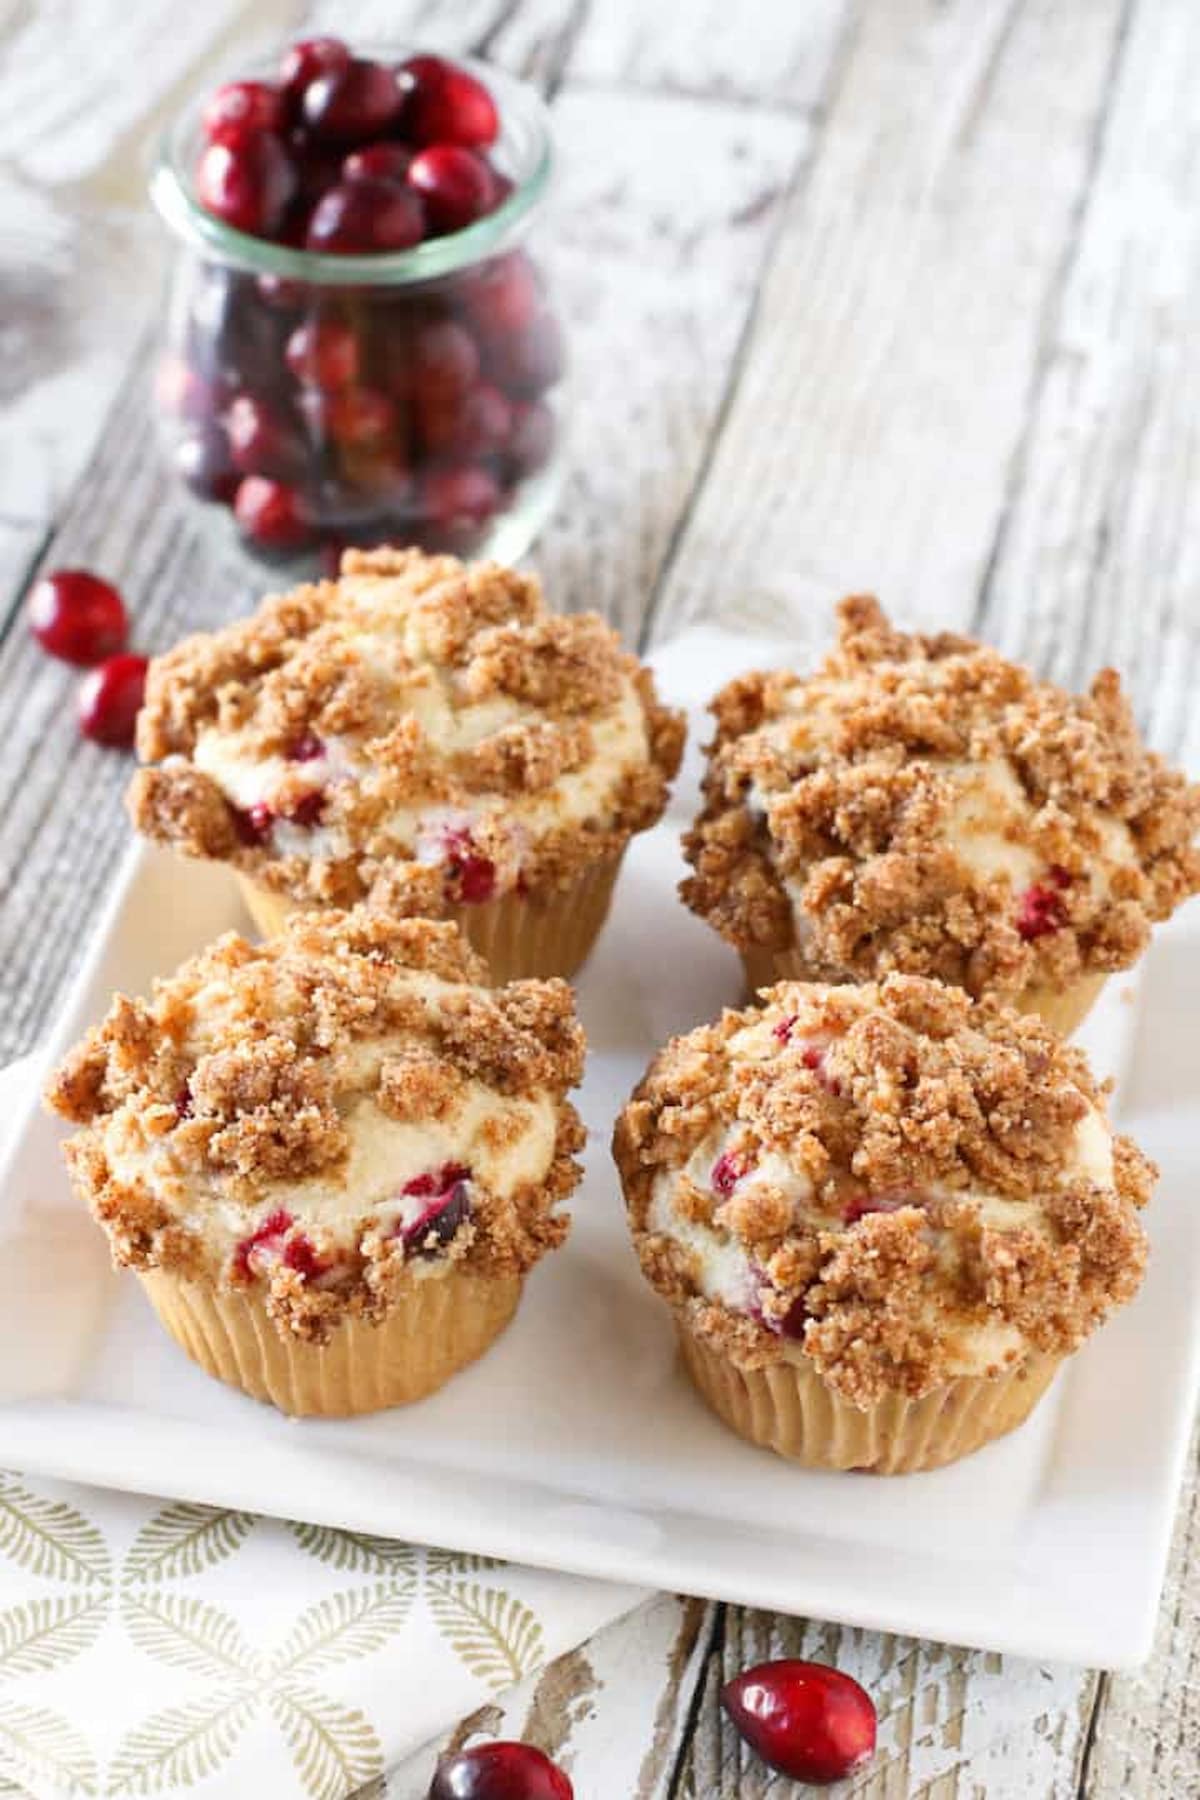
[892, 292]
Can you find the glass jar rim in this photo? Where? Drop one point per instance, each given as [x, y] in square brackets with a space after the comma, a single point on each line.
[171, 190]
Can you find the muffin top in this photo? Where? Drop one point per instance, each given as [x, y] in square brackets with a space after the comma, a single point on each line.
[328, 1114]
[896, 1182]
[420, 730]
[921, 804]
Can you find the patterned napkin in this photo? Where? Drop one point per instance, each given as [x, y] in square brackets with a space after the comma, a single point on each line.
[158, 1647]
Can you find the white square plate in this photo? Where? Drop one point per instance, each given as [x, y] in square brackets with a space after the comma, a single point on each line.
[576, 1443]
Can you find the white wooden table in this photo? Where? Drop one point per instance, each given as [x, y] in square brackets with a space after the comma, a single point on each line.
[889, 293]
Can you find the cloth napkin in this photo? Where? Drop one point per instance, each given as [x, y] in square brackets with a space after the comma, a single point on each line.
[152, 1646]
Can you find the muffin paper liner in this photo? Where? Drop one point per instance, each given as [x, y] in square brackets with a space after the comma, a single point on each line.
[516, 936]
[1064, 1010]
[437, 1326]
[790, 1409]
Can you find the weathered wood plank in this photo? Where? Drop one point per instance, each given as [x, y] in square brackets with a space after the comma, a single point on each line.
[1096, 559]
[883, 394]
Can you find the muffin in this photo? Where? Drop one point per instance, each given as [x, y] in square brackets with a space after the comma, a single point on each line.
[421, 735]
[882, 1216]
[922, 805]
[332, 1159]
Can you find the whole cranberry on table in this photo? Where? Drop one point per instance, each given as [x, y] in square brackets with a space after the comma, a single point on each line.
[804, 1719]
[500, 1771]
[324, 413]
[78, 617]
[110, 698]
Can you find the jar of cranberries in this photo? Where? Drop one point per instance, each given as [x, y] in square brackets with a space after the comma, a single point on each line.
[359, 346]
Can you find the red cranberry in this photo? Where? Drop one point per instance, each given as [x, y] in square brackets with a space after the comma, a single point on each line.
[445, 104]
[795, 1320]
[471, 876]
[360, 418]
[238, 109]
[531, 360]
[185, 1105]
[252, 823]
[366, 218]
[443, 365]
[307, 747]
[76, 616]
[303, 62]
[378, 162]
[260, 441]
[783, 1029]
[455, 184]
[1040, 912]
[449, 1206]
[500, 1771]
[202, 459]
[318, 167]
[299, 1254]
[504, 297]
[354, 103]
[804, 1719]
[269, 1236]
[110, 698]
[727, 1171]
[458, 498]
[248, 184]
[1062, 878]
[863, 1204]
[323, 352]
[531, 438]
[271, 514]
[309, 810]
[486, 422]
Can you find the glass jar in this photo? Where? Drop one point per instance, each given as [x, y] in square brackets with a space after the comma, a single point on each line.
[315, 401]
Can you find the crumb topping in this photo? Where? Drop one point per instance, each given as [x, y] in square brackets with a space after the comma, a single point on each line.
[321, 1113]
[900, 1184]
[420, 729]
[922, 805]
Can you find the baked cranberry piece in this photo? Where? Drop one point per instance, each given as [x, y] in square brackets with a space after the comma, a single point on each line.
[378, 162]
[456, 185]
[444, 104]
[110, 698]
[300, 1254]
[307, 747]
[261, 441]
[203, 461]
[185, 1105]
[471, 877]
[238, 109]
[271, 514]
[304, 61]
[354, 103]
[448, 1205]
[500, 1771]
[263, 1246]
[252, 823]
[804, 1719]
[324, 353]
[248, 184]
[1041, 911]
[77, 617]
[459, 498]
[308, 811]
[530, 438]
[366, 218]
[727, 1171]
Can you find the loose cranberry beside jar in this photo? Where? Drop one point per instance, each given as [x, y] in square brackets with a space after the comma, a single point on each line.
[359, 346]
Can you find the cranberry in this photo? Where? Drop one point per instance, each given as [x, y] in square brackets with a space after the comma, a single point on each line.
[202, 459]
[471, 876]
[1062, 878]
[309, 810]
[77, 616]
[504, 297]
[365, 218]
[863, 1204]
[110, 698]
[360, 418]
[459, 497]
[323, 352]
[500, 1771]
[185, 1105]
[271, 514]
[456, 185]
[239, 109]
[794, 1320]
[248, 184]
[231, 330]
[280, 294]
[267, 1236]
[783, 1029]
[804, 1719]
[727, 1171]
[307, 60]
[530, 360]
[531, 437]
[445, 104]
[300, 1255]
[354, 103]
[378, 162]
[1040, 912]
[253, 823]
[449, 1206]
[307, 747]
[261, 442]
